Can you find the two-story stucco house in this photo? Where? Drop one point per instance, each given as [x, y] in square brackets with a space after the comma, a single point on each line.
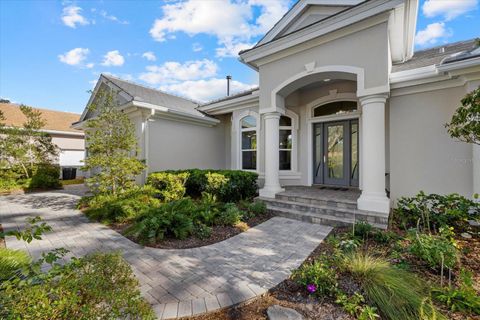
[342, 101]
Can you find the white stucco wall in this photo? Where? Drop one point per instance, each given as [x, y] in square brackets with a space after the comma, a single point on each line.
[180, 145]
[422, 154]
[366, 49]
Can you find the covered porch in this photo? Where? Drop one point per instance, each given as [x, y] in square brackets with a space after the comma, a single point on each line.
[337, 141]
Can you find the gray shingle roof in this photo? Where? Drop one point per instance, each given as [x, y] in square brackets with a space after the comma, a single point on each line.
[233, 96]
[142, 93]
[438, 55]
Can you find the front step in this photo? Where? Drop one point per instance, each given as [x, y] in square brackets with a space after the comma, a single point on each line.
[322, 211]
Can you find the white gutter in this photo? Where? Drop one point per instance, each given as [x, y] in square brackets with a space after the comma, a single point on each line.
[176, 115]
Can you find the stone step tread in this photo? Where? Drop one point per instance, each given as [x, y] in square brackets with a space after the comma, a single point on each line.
[306, 195]
[323, 216]
[324, 207]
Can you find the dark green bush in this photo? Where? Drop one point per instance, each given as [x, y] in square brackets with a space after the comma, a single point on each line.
[11, 261]
[98, 286]
[230, 215]
[432, 211]
[170, 186]
[171, 219]
[363, 229]
[202, 231]
[123, 207]
[240, 184]
[45, 176]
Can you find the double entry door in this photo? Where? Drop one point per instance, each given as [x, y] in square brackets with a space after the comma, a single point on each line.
[336, 153]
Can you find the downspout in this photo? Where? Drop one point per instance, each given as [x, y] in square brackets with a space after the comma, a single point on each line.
[146, 144]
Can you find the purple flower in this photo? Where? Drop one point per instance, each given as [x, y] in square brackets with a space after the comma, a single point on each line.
[311, 288]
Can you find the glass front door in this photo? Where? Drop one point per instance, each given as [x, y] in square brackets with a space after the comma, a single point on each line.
[336, 153]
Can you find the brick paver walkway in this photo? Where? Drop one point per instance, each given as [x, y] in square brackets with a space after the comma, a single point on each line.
[180, 282]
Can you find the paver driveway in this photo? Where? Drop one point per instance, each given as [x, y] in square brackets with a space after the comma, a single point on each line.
[179, 282]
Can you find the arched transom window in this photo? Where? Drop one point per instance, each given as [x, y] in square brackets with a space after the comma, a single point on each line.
[286, 143]
[249, 142]
[335, 108]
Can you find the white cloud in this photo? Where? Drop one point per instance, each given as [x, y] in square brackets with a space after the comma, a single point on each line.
[90, 65]
[113, 58]
[232, 22]
[231, 49]
[149, 55]
[205, 90]
[71, 16]
[113, 18]
[449, 9]
[197, 47]
[93, 83]
[432, 33]
[75, 57]
[172, 72]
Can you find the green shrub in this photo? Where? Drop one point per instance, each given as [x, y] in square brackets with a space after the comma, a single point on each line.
[202, 231]
[433, 211]
[45, 176]
[98, 286]
[11, 261]
[385, 237]
[320, 274]
[258, 208]
[396, 293]
[230, 215]
[170, 186]
[240, 184]
[171, 219]
[463, 298]
[123, 207]
[434, 249]
[363, 229]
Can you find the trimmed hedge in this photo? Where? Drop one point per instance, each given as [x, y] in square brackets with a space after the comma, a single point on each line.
[240, 185]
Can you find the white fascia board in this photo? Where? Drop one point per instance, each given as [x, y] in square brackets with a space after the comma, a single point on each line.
[228, 106]
[341, 20]
[167, 113]
[296, 11]
[413, 74]
[460, 65]
[434, 73]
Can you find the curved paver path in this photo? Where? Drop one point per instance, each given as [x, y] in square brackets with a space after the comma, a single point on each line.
[179, 282]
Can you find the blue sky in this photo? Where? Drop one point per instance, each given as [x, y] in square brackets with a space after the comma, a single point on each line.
[52, 52]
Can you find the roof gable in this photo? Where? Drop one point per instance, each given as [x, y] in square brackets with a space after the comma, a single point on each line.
[304, 13]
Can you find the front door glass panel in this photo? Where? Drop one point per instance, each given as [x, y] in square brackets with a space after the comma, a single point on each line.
[335, 152]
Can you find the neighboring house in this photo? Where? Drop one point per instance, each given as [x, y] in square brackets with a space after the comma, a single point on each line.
[70, 141]
[343, 101]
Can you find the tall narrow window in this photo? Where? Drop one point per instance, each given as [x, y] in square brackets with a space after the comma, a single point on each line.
[249, 143]
[285, 143]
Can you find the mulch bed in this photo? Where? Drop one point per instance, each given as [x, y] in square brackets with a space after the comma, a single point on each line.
[289, 294]
[219, 233]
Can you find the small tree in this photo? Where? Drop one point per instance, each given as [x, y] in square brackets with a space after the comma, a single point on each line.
[112, 147]
[26, 147]
[465, 124]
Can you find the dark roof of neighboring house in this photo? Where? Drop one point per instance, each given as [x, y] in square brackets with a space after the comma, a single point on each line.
[446, 53]
[233, 96]
[54, 120]
[156, 97]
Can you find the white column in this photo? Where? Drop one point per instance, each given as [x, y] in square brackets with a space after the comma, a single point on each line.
[476, 168]
[373, 197]
[271, 147]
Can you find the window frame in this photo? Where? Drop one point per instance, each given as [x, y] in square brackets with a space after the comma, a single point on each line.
[290, 128]
[242, 130]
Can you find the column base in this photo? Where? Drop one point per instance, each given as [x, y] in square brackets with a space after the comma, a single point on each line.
[270, 191]
[374, 202]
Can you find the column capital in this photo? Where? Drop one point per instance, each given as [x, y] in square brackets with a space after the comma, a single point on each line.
[373, 98]
[272, 115]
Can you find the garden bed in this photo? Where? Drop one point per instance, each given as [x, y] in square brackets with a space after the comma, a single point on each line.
[292, 295]
[219, 233]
